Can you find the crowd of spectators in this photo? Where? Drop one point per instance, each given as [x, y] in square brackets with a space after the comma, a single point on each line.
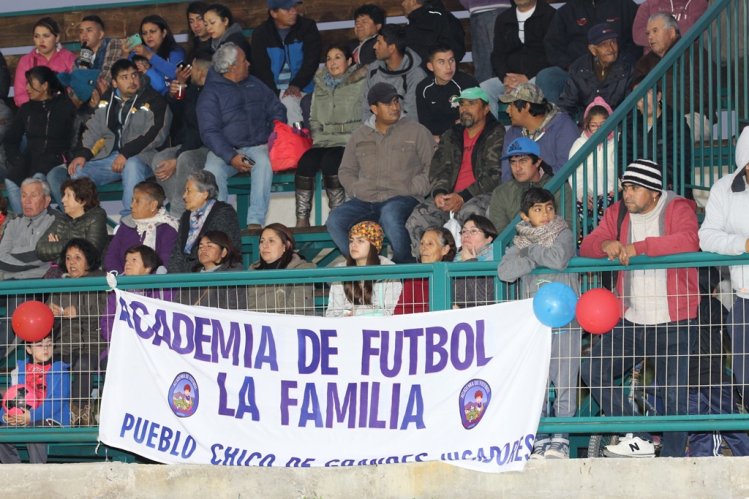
[407, 144]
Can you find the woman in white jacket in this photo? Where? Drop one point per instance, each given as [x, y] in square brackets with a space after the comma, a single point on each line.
[595, 178]
[364, 297]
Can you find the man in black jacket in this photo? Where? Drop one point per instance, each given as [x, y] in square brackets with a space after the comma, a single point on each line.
[173, 165]
[567, 38]
[518, 53]
[601, 72]
[286, 52]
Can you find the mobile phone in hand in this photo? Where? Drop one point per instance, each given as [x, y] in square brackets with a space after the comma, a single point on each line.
[134, 40]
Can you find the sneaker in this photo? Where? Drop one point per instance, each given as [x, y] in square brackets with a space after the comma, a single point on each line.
[539, 448]
[559, 448]
[630, 446]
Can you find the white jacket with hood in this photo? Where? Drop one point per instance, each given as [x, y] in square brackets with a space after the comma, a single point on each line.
[726, 226]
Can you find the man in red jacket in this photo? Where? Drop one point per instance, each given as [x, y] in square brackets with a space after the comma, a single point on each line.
[659, 305]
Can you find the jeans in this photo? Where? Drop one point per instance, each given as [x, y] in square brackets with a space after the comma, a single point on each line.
[391, 215]
[551, 81]
[13, 193]
[667, 346]
[261, 176]
[100, 171]
[55, 178]
[482, 41]
[188, 163]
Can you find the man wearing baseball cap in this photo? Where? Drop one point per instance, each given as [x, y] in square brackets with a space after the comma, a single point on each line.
[384, 171]
[528, 170]
[286, 52]
[535, 117]
[600, 72]
[464, 169]
[660, 305]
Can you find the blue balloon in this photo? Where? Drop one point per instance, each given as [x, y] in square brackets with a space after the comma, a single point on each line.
[554, 304]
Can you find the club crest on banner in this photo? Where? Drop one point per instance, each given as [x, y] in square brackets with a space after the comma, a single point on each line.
[474, 400]
[184, 395]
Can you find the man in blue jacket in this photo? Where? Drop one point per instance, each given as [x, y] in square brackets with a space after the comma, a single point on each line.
[235, 117]
[286, 53]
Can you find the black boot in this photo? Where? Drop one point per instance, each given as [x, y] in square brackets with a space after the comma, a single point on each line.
[304, 190]
[336, 194]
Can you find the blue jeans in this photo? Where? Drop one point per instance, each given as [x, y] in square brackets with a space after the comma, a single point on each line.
[482, 42]
[13, 192]
[391, 215]
[551, 81]
[261, 176]
[100, 171]
[667, 345]
[56, 177]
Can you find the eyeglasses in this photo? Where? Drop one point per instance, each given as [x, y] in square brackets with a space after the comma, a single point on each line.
[471, 232]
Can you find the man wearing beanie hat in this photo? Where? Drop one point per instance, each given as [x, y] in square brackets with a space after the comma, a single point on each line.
[660, 305]
[464, 169]
[384, 171]
[598, 73]
[725, 230]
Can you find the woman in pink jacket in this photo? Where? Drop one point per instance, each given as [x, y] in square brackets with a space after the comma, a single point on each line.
[47, 52]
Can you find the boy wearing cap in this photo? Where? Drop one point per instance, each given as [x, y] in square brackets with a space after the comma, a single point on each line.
[436, 95]
[528, 170]
[599, 73]
[535, 117]
[384, 171]
[286, 52]
[660, 305]
[463, 172]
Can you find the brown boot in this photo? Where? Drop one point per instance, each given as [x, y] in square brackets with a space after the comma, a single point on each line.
[304, 191]
[334, 189]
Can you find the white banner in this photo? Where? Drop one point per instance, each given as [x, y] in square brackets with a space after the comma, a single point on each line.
[211, 386]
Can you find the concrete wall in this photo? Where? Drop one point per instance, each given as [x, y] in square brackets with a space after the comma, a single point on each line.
[576, 478]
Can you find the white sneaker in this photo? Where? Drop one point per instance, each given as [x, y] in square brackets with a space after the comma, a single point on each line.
[630, 446]
[558, 449]
[539, 448]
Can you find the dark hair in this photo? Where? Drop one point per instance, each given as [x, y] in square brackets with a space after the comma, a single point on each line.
[169, 43]
[338, 46]
[222, 11]
[596, 110]
[43, 75]
[90, 253]
[360, 292]
[3, 205]
[49, 23]
[533, 109]
[84, 190]
[374, 12]
[394, 35]
[483, 224]
[152, 190]
[121, 66]
[435, 49]
[224, 242]
[93, 18]
[446, 239]
[149, 256]
[198, 8]
[287, 238]
[536, 195]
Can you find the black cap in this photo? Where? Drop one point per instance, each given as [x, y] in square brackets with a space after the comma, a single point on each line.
[382, 92]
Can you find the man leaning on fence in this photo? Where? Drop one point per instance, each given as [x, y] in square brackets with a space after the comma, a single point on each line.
[659, 305]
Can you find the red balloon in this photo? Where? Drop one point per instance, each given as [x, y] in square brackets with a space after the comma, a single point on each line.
[598, 311]
[32, 321]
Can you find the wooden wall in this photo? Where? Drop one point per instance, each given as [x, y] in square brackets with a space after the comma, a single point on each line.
[123, 21]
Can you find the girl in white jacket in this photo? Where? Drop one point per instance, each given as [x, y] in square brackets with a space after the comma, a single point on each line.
[595, 178]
